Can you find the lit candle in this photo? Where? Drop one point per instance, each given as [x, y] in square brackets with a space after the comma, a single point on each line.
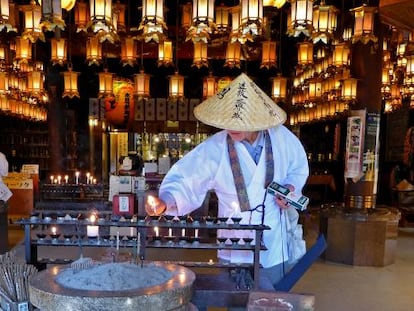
[152, 204]
[87, 177]
[55, 181]
[182, 232]
[196, 233]
[210, 262]
[66, 179]
[54, 230]
[170, 232]
[92, 231]
[94, 181]
[52, 178]
[157, 231]
[77, 177]
[59, 179]
[117, 240]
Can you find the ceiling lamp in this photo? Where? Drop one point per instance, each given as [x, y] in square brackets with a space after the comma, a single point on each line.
[222, 18]
[5, 15]
[70, 83]
[58, 51]
[364, 24]
[200, 58]
[341, 55]
[203, 21]
[52, 15]
[233, 53]
[101, 20]
[32, 27]
[301, 17]
[35, 83]
[81, 16]
[268, 54]
[279, 87]
[105, 83]
[152, 23]
[305, 53]
[23, 49]
[165, 56]
[251, 17]
[142, 84]
[176, 86]
[209, 86]
[93, 51]
[128, 51]
[349, 89]
[324, 22]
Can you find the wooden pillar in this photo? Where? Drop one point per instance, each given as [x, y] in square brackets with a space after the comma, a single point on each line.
[55, 124]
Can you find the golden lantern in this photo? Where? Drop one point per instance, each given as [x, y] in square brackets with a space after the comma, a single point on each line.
[142, 84]
[301, 16]
[202, 22]
[165, 50]
[13, 105]
[4, 82]
[52, 15]
[70, 84]
[364, 24]
[187, 15]
[279, 87]
[118, 17]
[222, 18]
[35, 82]
[93, 51]
[200, 58]
[409, 69]
[81, 16]
[68, 4]
[268, 54]
[209, 86]
[32, 26]
[4, 53]
[324, 22]
[233, 53]
[341, 55]
[105, 83]
[251, 16]
[58, 51]
[4, 103]
[349, 89]
[305, 53]
[315, 89]
[23, 49]
[100, 16]
[5, 15]
[152, 22]
[235, 25]
[128, 51]
[176, 86]
[278, 3]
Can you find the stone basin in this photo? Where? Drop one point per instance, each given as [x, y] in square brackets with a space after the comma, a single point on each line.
[48, 294]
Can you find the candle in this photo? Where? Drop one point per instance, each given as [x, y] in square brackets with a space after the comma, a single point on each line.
[52, 178]
[66, 179]
[94, 181]
[117, 240]
[54, 230]
[196, 233]
[157, 231]
[138, 243]
[182, 232]
[152, 204]
[92, 231]
[170, 232]
[87, 177]
[59, 178]
[132, 231]
[77, 177]
[210, 262]
[55, 181]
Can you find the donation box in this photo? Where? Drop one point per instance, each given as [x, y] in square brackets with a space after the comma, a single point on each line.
[123, 204]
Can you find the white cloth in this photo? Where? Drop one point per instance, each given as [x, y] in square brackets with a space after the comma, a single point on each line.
[207, 167]
[5, 192]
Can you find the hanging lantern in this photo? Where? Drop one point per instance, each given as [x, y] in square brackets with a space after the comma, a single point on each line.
[222, 18]
[341, 55]
[200, 58]
[70, 84]
[315, 89]
[233, 53]
[81, 16]
[23, 49]
[187, 15]
[100, 16]
[35, 82]
[105, 83]
[32, 27]
[209, 86]
[324, 22]
[235, 34]
[176, 86]
[301, 17]
[4, 103]
[5, 15]
[58, 51]
[251, 17]
[142, 84]
[305, 53]
[93, 51]
[165, 50]
[202, 23]
[118, 17]
[52, 15]
[128, 51]
[409, 69]
[364, 24]
[152, 22]
[279, 87]
[4, 82]
[349, 89]
[278, 3]
[268, 54]
[68, 4]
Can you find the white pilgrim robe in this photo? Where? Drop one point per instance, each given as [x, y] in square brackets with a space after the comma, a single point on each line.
[207, 167]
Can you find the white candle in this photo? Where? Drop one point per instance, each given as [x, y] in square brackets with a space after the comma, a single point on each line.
[87, 177]
[55, 181]
[51, 179]
[59, 179]
[138, 243]
[94, 181]
[157, 231]
[182, 232]
[132, 231]
[117, 240]
[77, 177]
[170, 232]
[66, 179]
[196, 233]
[54, 230]
[152, 204]
[92, 231]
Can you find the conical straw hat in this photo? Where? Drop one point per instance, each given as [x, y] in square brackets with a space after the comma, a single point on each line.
[242, 106]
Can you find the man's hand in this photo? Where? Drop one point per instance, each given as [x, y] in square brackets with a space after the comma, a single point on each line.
[154, 206]
[281, 201]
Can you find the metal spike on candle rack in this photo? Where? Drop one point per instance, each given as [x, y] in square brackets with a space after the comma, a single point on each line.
[82, 263]
[14, 278]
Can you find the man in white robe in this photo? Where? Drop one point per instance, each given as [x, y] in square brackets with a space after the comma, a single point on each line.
[250, 118]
